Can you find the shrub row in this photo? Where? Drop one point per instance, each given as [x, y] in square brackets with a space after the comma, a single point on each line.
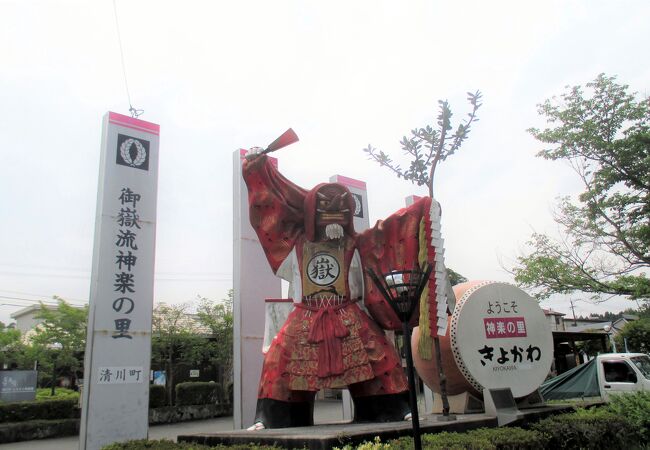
[596, 428]
[623, 423]
[165, 444]
[636, 410]
[37, 410]
[37, 429]
[198, 393]
[66, 408]
[480, 439]
[157, 396]
[45, 394]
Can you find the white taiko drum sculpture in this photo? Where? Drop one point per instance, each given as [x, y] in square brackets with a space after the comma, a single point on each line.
[498, 337]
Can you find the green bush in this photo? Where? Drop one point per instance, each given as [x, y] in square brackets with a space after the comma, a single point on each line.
[480, 439]
[375, 445]
[165, 444]
[36, 410]
[231, 393]
[511, 438]
[45, 394]
[157, 396]
[37, 429]
[596, 428]
[635, 407]
[198, 393]
[452, 441]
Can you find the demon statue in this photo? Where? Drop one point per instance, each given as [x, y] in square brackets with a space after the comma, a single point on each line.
[334, 337]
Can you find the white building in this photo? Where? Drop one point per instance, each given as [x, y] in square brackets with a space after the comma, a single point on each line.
[25, 319]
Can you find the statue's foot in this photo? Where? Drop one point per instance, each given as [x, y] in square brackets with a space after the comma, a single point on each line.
[256, 427]
[382, 408]
[408, 417]
[272, 414]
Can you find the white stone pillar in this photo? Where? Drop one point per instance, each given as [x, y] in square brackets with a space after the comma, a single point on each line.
[253, 282]
[115, 406]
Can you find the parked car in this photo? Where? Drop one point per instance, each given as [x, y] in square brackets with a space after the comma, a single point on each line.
[607, 374]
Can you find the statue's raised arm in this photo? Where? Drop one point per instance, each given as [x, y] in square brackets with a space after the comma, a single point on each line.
[275, 208]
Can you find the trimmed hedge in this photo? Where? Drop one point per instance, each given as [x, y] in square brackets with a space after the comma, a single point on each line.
[157, 396]
[198, 393]
[45, 394]
[37, 429]
[511, 438]
[635, 407]
[595, 428]
[481, 439]
[165, 444]
[36, 410]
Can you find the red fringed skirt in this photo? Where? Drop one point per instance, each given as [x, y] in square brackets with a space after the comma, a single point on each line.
[332, 347]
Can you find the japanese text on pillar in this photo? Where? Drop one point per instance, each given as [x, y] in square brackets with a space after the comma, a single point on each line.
[126, 259]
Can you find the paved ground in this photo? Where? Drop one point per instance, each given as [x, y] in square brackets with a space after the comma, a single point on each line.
[325, 411]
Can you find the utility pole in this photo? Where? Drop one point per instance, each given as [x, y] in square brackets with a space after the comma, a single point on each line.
[573, 310]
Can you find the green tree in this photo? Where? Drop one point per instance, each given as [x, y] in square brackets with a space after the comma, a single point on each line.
[427, 147]
[12, 348]
[60, 339]
[176, 340]
[455, 278]
[637, 334]
[603, 132]
[218, 318]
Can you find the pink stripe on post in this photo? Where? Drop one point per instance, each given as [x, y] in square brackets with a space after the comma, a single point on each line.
[351, 182]
[278, 300]
[135, 124]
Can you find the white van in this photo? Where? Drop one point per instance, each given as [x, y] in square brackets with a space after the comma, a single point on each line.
[622, 372]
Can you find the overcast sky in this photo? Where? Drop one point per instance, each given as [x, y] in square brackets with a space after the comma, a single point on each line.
[218, 76]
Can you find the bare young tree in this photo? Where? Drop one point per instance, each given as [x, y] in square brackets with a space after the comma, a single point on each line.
[427, 147]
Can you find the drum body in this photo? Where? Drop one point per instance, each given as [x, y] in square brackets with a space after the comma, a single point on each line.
[497, 337]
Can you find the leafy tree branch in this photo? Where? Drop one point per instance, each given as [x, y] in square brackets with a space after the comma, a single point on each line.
[603, 131]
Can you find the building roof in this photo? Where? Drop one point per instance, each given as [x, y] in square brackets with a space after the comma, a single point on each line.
[37, 307]
[630, 317]
[28, 309]
[595, 326]
[566, 336]
[550, 312]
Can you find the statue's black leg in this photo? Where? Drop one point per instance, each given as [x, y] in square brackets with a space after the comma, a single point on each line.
[279, 414]
[381, 408]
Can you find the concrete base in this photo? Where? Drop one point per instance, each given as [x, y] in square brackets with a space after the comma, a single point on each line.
[464, 403]
[447, 418]
[533, 400]
[501, 403]
[327, 436]
[467, 403]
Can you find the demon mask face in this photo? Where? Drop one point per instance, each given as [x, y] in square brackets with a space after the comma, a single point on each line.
[333, 213]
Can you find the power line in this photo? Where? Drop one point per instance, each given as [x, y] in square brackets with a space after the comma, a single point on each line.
[162, 276]
[134, 112]
[57, 267]
[42, 275]
[32, 300]
[31, 294]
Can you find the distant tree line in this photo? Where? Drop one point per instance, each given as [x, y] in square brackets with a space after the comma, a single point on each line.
[188, 335]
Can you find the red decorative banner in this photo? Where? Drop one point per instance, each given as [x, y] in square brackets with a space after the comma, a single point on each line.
[504, 327]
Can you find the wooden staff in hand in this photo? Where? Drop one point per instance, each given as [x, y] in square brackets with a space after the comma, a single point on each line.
[287, 138]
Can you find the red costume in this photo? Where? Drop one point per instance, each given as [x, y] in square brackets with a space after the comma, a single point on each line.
[333, 338]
